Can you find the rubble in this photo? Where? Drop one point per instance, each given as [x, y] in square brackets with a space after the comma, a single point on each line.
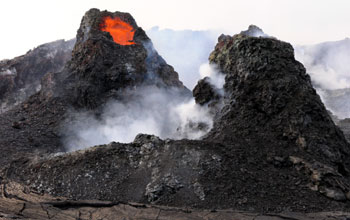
[273, 148]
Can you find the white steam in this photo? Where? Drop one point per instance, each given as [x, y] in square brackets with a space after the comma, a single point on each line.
[259, 33]
[327, 63]
[195, 121]
[216, 78]
[167, 114]
[185, 50]
[148, 110]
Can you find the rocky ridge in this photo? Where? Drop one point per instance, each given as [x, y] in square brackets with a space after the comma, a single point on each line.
[273, 147]
[20, 77]
[266, 84]
[268, 87]
[99, 70]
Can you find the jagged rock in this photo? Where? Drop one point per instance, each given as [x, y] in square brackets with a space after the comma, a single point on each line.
[99, 70]
[324, 179]
[120, 172]
[268, 91]
[270, 113]
[269, 96]
[20, 77]
[204, 92]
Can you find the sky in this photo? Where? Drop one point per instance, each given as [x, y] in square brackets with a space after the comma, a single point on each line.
[27, 24]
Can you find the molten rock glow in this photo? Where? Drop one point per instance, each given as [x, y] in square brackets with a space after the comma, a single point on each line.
[122, 32]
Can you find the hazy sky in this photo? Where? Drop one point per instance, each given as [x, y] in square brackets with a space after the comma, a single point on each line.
[28, 23]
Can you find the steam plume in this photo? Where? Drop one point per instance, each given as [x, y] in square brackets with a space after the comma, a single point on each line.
[327, 63]
[216, 78]
[148, 110]
[167, 114]
[185, 50]
[330, 74]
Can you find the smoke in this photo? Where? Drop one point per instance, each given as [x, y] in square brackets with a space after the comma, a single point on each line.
[259, 33]
[185, 50]
[216, 78]
[150, 110]
[327, 63]
[255, 31]
[169, 114]
[165, 112]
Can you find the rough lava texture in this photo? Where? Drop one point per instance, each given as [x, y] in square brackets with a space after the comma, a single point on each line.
[204, 92]
[19, 202]
[271, 103]
[268, 87]
[98, 71]
[20, 77]
[273, 147]
[100, 68]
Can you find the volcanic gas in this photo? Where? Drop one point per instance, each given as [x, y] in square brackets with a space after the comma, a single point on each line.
[122, 32]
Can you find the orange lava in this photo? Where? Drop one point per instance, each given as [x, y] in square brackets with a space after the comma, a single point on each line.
[122, 32]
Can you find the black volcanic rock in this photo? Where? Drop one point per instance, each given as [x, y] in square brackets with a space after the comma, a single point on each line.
[271, 103]
[273, 147]
[204, 92]
[20, 77]
[266, 84]
[99, 70]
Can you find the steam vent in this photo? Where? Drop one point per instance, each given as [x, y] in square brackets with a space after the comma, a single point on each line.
[273, 148]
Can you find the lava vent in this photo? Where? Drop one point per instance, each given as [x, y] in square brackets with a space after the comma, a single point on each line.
[122, 32]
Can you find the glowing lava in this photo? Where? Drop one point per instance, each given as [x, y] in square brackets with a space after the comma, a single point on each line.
[122, 32]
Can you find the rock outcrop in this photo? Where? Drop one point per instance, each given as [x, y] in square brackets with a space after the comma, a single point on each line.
[273, 146]
[205, 93]
[99, 70]
[271, 103]
[20, 77]
[268, 92]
